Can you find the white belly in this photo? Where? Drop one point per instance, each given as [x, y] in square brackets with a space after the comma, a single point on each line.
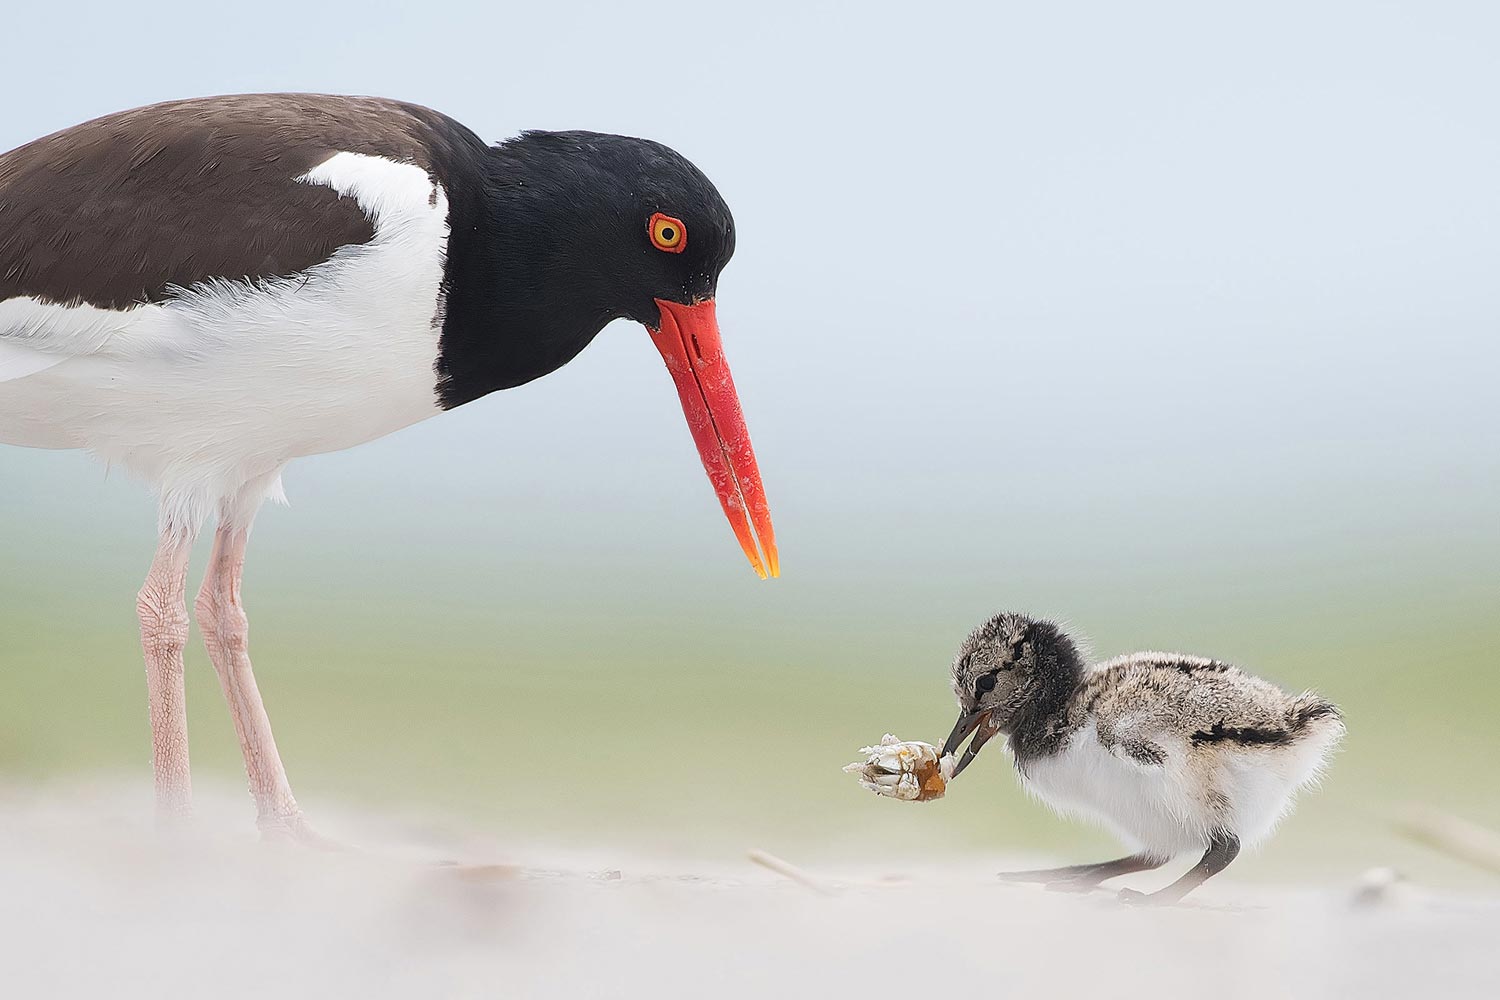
[228, 381]
[1151, 807]
[1176, 806]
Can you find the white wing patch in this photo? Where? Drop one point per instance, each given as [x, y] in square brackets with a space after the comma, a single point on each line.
[390, 193]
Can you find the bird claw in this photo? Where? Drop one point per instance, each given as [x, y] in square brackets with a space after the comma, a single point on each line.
[1134, 897]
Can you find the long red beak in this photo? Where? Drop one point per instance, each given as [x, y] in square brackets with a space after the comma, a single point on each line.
[689, 343]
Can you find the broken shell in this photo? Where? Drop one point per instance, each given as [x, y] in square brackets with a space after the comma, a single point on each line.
[913, 771]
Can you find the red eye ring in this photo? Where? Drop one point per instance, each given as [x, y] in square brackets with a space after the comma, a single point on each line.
[667, 234]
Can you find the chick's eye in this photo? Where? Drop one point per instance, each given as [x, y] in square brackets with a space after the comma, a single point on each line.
[667, 234]
[985, 684]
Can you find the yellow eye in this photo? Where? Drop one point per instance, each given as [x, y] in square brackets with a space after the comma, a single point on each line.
[667, 233]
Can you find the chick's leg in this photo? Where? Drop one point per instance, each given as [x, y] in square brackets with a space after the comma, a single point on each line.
[1083, 877]
[1222, 849]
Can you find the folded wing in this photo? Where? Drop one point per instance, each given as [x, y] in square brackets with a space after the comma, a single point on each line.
[103, 221]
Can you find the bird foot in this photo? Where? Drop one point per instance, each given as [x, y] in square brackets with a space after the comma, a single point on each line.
[1051, 880]
[1134, 897]
[294, 829]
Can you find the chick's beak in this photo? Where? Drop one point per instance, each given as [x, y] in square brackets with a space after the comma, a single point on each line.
[977, 722]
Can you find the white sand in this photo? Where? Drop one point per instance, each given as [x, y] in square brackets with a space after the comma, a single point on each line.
[96, 904]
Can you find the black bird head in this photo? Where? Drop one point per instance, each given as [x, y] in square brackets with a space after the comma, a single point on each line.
[581, 228]
[626, 223]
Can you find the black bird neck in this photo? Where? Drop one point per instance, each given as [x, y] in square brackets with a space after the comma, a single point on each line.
[521, 300]
[1040, 725]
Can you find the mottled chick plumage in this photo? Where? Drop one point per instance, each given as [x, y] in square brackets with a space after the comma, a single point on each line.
[1173, 752]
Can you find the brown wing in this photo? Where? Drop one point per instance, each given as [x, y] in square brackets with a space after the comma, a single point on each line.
[116, 210]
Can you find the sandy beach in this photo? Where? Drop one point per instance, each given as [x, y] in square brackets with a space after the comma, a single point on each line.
[97, 903]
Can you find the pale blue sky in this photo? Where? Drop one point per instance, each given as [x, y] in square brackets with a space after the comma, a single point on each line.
[1023, 291]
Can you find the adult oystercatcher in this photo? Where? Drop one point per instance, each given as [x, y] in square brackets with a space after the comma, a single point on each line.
[203, 290]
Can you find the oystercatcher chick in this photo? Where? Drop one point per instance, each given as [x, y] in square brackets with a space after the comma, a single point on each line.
[201, 291]
[1174, 753]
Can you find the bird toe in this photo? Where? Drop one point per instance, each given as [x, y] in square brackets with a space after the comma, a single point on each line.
[296, 830]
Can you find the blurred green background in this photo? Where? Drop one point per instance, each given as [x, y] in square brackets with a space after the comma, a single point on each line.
[657, 695]
[1176, 323]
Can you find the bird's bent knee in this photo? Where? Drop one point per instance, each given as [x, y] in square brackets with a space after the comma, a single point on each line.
[163, 618]
[222, 623]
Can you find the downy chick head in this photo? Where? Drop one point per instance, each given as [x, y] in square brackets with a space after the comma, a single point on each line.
[1003, 669]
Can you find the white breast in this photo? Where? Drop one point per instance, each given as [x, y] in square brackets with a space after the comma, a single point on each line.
[229, 380]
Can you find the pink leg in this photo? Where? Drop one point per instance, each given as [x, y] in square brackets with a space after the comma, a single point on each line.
[162, 610]
[221, 619]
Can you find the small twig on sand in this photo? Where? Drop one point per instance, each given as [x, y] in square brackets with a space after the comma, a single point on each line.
[767, 860]
[1457, 838]
[480, 873]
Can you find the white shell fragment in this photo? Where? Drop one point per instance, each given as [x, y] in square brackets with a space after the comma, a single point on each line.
[912, 771]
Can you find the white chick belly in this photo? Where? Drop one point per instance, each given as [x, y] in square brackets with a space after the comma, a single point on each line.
[1149, 806]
